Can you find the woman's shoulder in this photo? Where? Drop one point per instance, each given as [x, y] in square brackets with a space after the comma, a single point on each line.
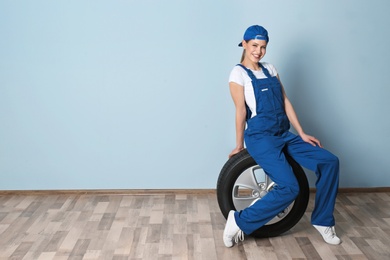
[270, 67]
[237, 75]
[237, 70]
[267, 64]
[238, 67]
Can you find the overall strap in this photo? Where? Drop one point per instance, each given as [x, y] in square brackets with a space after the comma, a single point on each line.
[266, 72]
[250, 73]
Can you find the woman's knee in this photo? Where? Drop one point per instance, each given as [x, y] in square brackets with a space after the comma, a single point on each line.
[334, 161]
[290, 191]
[328, 159]
[294, 191]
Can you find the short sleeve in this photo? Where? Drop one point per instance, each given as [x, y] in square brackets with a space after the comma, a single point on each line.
[236, 76]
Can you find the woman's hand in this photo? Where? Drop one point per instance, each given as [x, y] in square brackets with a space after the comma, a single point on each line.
[235, 151]
[311, 140]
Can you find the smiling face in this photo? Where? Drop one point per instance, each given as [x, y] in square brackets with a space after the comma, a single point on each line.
[254, 50]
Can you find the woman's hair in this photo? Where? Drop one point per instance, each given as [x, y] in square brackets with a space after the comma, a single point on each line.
[243, 54]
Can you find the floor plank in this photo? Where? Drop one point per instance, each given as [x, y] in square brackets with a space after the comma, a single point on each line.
[176, 226]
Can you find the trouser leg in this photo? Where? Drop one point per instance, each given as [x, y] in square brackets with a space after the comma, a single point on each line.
[267, 152]
[326, 167]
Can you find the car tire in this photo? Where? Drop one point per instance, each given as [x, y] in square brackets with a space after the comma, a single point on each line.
[242, 180]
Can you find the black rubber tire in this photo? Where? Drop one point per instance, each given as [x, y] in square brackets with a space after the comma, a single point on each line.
[237, 165]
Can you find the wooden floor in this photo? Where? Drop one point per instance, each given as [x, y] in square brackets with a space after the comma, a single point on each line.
[176, 226]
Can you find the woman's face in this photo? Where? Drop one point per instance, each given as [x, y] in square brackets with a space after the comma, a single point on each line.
[254, 49]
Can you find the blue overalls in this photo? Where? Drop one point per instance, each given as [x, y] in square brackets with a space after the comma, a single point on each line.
[266, 137]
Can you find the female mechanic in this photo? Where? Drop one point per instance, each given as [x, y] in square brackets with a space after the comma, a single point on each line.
[264, 108]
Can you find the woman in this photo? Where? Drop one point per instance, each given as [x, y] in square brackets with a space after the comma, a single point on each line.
[261, 104]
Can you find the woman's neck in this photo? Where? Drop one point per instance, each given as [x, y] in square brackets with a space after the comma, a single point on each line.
[251, 65]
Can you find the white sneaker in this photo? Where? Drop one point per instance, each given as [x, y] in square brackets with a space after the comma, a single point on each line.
[232, 231]
[328, 234]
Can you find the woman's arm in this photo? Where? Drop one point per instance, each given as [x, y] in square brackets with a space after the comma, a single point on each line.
[293, 118]
[237, 92]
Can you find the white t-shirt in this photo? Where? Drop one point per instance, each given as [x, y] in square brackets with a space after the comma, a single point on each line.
[240, 76]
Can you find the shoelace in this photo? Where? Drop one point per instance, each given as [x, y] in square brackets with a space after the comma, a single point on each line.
[239, 236]
[331, 230]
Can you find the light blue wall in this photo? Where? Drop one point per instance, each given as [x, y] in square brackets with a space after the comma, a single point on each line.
[133, 94]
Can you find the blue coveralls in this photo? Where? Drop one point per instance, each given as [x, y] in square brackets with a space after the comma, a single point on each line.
[266, 136]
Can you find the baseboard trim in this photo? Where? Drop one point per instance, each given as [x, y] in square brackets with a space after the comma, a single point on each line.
[107, 192]
[362, 190]
[155, 191]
